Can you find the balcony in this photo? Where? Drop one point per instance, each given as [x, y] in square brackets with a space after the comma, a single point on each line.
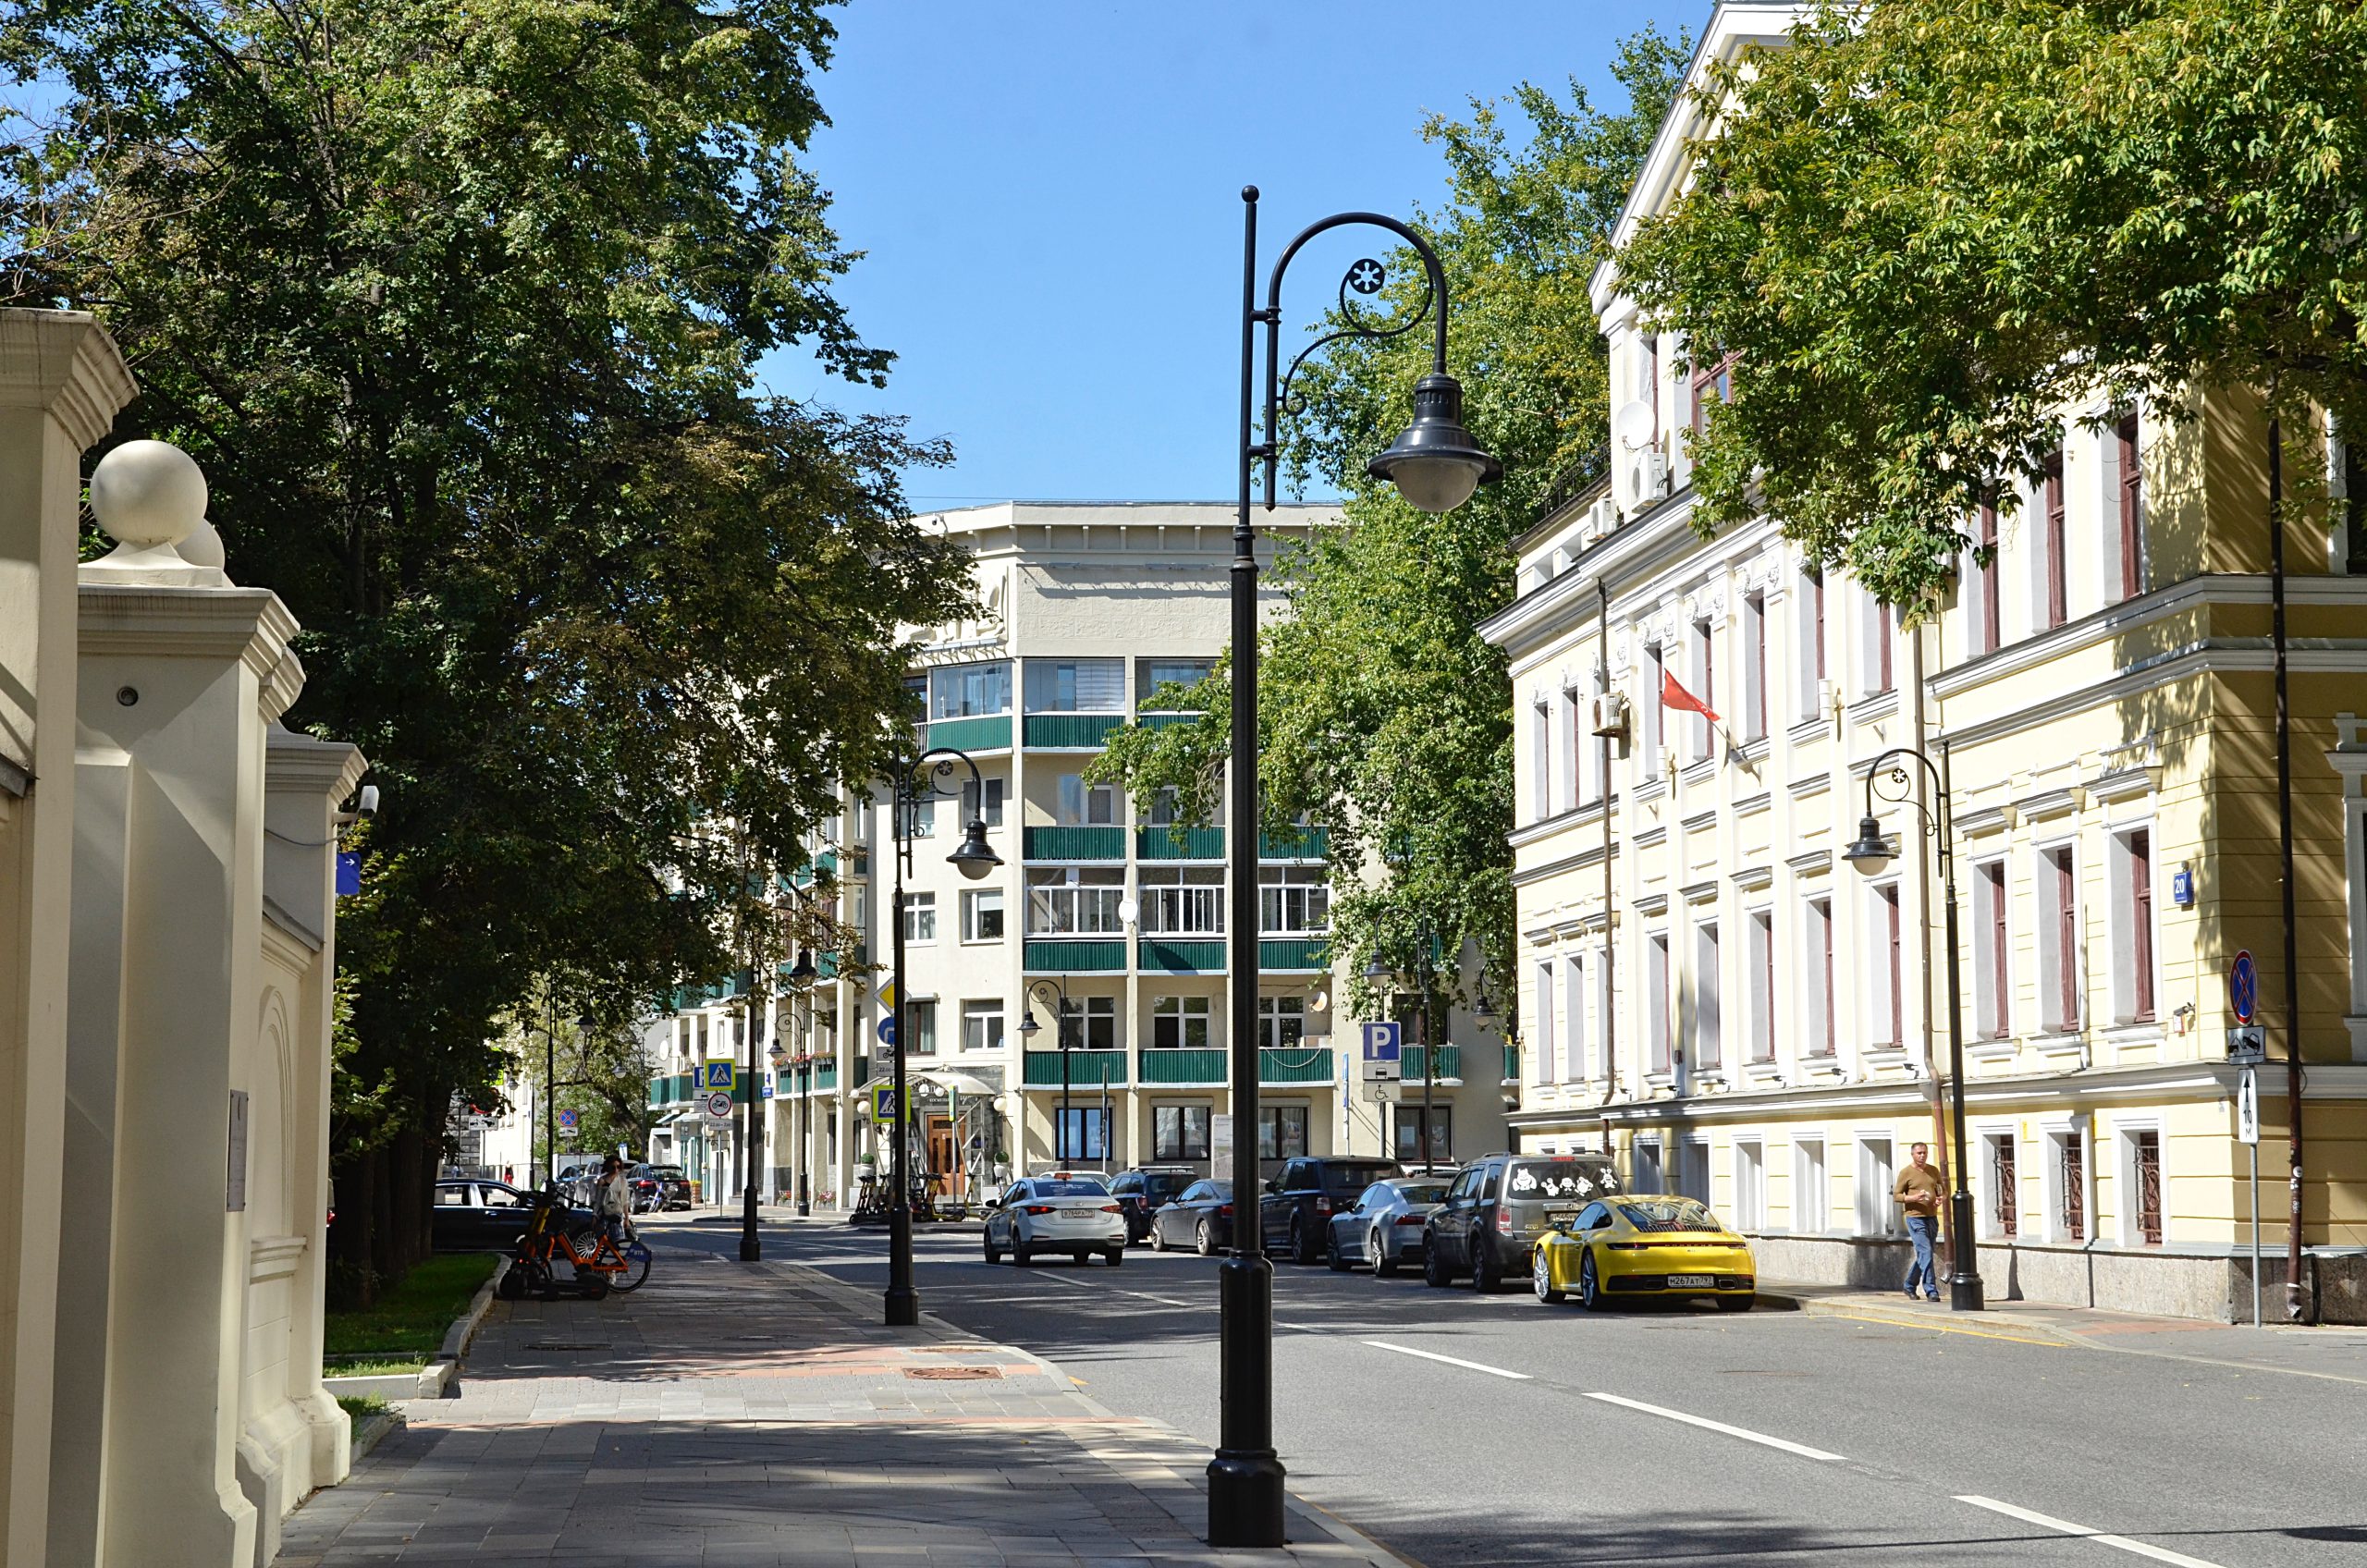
[1512, 1064]
[1294, 1064]
[1065, 956]
[1302, 955]
[825, 1078]
[985, 732]
[1449, 1063]
[1069, 731]
[1190, 843]
[1087, 1068]
[1168, 956]
[1074, 843]
[1167, 720]
[1173, 1067]
[675, 1089]
[1307, 843]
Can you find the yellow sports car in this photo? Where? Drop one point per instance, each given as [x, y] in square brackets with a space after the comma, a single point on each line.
[1640, 1245]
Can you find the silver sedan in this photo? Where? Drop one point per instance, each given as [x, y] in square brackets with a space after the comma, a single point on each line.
[1384, 1226]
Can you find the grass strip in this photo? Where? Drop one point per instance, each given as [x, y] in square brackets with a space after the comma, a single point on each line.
[409, 1321]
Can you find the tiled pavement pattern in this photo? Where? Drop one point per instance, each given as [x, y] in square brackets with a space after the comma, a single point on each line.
[715, 1419]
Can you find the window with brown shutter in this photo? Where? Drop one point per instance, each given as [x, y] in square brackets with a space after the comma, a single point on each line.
[1991, 633]
[2066, 942]
[2132, 510]
[1897, 1001]
[1994, 875]
[2141, 921]
[1712, 383]
[2057, 589]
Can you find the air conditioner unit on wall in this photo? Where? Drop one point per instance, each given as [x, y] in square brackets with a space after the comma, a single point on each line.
[1601, 519]
[1651, 481]
[1611, 715]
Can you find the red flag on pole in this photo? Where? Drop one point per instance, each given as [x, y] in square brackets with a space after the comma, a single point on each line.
[1673, 695]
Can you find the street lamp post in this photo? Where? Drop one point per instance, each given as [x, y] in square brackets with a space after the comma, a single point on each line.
[916, 782]
[1056, 992]
[1435, 465]
[1869, 854]
[753, 1142]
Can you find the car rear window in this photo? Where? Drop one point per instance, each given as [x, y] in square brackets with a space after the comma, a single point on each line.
[1074, 1187]
[1343, 1178]
[1423, 1191]
[1569, 1180]
[1165, 1185]
[670, 1172]
[1669, 1214]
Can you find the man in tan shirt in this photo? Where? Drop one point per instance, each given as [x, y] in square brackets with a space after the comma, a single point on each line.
[1918, 1192]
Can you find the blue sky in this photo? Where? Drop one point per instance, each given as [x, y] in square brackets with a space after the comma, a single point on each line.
[1048, 192]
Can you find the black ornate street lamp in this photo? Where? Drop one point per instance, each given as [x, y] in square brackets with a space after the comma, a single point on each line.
[802, 975]
[1869, 854]
[1055, 992]
[915, 782]
[1435, 465]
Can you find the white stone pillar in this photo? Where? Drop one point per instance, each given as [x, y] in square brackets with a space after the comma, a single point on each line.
[61, 382]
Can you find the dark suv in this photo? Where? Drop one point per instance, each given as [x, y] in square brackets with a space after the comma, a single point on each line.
[1499, 1207]
[1141, 1191]
[660, 1187]
[1299, 1202]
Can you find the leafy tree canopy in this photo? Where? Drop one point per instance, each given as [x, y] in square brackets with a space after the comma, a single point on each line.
[1384, 716]
[1927, 226]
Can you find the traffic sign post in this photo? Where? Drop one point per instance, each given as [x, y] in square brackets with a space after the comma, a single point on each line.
[2247, 1132]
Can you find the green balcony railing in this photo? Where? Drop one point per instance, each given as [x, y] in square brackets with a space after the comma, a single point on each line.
[1086, 1068]
[1062, 956]
[1181, 958]
[1278, 955]
[1172, 1066]
[1192, 843]
[674, 1089]
[1294, 1064]
[986, 733]
[1074, 843]
[1450, 1062]
[825, 1077]
[1512, 1064]
[1069, 731]
[1167, 720]
[1309, 843]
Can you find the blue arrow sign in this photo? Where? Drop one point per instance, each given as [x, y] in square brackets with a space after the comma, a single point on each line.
[888, 1029]
[1384, 1042]
[2243, 987]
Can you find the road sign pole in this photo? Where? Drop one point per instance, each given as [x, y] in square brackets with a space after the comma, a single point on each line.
[2255, 1154]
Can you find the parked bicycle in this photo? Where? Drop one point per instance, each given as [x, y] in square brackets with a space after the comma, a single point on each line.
[595, 1263]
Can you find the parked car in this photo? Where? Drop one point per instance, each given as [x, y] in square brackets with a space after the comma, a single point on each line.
[1299, 1202]
[1071, 1212]
[479, 1216]
[1645, 1246]
[577, 1180]
[1200, 1217]
[1140, 1192]
[660, 1187]
[1500, 1206]
[1384, 1226]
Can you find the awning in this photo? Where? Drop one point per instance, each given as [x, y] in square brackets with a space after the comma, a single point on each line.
[960, 1083]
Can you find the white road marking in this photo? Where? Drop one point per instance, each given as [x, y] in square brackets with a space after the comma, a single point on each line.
[2158, 1554]
[1745, 1433]
[1449, 1360]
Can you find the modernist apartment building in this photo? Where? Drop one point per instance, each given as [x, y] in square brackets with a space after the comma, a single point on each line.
[1088, 610]
[1718, 997]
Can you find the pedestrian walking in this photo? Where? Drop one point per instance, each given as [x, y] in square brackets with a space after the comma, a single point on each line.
[1916, 1192]
[616, 1200]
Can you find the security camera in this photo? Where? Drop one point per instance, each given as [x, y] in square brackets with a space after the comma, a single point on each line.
[369, 799]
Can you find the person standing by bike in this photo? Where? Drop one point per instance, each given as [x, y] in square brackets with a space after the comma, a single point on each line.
[616, 1200]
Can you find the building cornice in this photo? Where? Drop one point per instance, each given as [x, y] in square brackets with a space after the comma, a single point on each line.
[65, 363]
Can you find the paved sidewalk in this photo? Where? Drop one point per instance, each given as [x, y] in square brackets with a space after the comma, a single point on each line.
[2326, 1351]
[760, 1415]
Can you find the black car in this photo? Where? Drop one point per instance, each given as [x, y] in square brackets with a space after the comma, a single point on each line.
[1140, 1192]
[479, 1216]
[1300, 1202]
[660, 1187]
[1499, 1207]
[1200, 1218]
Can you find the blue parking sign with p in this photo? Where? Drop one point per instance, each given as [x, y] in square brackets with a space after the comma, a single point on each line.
[1384, 1041]
[716, 1075]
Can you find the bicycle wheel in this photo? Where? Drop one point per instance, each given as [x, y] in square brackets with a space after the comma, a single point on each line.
[636, 1268]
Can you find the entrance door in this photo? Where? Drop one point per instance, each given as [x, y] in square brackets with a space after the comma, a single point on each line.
[945, 1158]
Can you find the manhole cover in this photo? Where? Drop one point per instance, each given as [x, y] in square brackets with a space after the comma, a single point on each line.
[553, 1344]
[952, 1374]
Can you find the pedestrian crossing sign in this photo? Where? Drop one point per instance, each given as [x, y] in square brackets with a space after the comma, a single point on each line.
[883, 1101]
[716, 1075]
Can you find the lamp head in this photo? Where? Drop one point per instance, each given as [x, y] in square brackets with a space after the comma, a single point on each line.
[974, 858]
[1484, 1008]
[802, 973]
[1377, 972]
[1029, 1028]
[1870, 852]
[1435, 464]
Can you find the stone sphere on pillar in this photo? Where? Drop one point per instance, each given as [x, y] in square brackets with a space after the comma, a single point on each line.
[148, 493]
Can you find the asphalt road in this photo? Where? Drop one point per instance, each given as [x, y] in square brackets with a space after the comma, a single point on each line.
[1462, 1430]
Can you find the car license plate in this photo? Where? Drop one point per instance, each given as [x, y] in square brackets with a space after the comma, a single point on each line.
[1691, 1281]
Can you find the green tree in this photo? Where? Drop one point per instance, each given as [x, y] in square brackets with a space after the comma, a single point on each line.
[460, 306]
[1384, 716]
[1927, 226]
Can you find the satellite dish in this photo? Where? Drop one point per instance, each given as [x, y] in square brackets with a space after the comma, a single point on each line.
[1129, 911]
[1318, 1001]
[1632, 426]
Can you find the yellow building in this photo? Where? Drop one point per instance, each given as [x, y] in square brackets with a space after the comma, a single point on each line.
[1711, 992]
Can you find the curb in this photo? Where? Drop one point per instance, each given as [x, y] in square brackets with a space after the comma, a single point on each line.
[1912, 1317]
[464, 1328]
[443, 1369]
[370, 1434]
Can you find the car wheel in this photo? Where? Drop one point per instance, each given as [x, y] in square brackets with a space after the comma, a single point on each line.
[1302, 1244]
[1434, 1271]
[1336, 1260]
[1541, 1273]
[1022, 1254]
[1484, 1276]
[1157, 1237]
[1205, 1238]
[1383, 1266]
[1114, 1257]
[1736, 1303]
[1590, 1283]
[994, 1253]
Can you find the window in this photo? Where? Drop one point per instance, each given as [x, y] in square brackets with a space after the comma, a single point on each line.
[1990, 630]
[920, 917]
[1540, 750]
[1812, 1188]
[1074, 901]
[1541, 1055]
[1086, 806]
[972, 806]
[1992, 1006]
[1406, 1132]
[1754, 668]
[1091, 1023]
[982, 1026]
[1653, 717]
[1083, 1134]
[1293, 900]
[1705, 677]
[1821, 1037]
[1282, 1021]
[1648, 1166]
[1874, 637]
[1708, 1027]
[2067, 1184]
[1813, 673]
[2059, 939]
[1183, 901]
[1656, 1001]
[2144, 1176]
[920, 1021]
[2130, 472]
[1575, 1067]
[1888, 1012]
[1750, 1187]
[1077, 685]
[1152, 674]
[1163, 811]
[1761, 933]
[2132, 954]
[2004, 1185]
[1179, 1132]
[1282, 1131]
[982, 915]
[1877, 1216]
[2052, 543]
[961, 691]
[1713, 382]
[1580, 785]
[920, 818]
[1180, 1024]
[1693, 1169]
